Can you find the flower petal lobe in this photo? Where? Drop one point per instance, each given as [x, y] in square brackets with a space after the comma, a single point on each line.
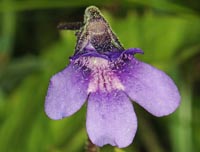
[111, 119]
[149, 87]
[66, 93]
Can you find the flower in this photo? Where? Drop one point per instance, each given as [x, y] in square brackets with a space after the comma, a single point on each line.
[108, 76]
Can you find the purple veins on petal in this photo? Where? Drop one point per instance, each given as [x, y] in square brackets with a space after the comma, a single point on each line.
[149, 87]
[66, 93]
[111, 119]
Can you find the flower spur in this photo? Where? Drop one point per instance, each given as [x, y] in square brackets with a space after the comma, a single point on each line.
[106, 74]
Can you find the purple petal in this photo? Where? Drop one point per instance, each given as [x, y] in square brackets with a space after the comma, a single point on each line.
[90, 47]
[149, 87]
[111, 119]
[66, 93]
[133, 51]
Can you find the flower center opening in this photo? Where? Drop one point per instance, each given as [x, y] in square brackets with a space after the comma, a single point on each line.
[103, 77]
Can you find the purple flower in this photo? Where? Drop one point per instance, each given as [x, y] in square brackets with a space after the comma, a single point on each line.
[108, 77]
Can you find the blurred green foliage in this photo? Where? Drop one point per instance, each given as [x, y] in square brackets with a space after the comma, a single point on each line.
[32, 50]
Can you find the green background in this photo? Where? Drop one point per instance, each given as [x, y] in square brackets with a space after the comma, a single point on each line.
[32, 49]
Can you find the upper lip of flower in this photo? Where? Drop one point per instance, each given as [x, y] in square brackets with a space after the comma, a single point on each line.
[111, 56]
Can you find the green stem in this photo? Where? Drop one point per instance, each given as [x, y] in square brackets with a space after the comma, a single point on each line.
[90, 147]
[7, 34]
